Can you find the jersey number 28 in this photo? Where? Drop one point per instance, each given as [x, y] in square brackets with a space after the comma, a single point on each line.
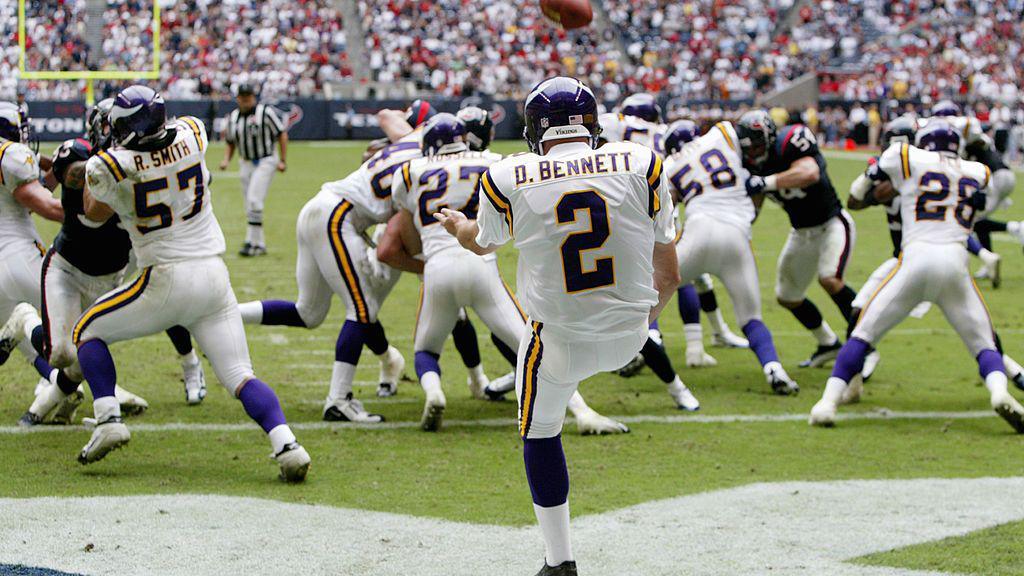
[190, 178]
[603, 274]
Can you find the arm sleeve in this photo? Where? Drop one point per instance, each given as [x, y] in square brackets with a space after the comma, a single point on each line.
[100, 182]
[494, 218]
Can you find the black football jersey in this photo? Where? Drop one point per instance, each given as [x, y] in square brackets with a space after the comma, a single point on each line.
[95, 250]
[810, 206]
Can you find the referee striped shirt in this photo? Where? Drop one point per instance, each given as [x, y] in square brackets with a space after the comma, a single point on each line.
[254, 134]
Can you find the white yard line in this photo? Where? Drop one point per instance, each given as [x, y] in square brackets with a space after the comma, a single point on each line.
[509, 422]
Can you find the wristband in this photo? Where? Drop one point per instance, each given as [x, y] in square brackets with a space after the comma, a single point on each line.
[771, 183]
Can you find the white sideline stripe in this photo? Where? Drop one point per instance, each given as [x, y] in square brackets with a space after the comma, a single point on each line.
[502, 422]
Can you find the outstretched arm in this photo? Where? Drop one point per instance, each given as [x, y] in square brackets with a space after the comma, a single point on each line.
[393, 123]
[464, 230]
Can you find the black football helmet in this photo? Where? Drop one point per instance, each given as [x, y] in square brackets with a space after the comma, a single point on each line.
[901, 129]
[479, 127]
[757, 134]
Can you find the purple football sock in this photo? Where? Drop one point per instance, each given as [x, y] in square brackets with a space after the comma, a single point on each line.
[427, 362]
[281, 313]
[38, 337]
[850, 360]
[990, 361]
[973, 245]
[761, 342]
[42, 366]
[350, 342]
[98, 368]
[546, 471]
[689, 304]
[261, 404]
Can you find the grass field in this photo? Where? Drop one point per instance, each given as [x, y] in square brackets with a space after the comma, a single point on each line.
[472, 470]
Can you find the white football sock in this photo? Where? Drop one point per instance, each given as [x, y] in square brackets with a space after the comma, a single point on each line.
[252, 312]
[718, 325]
[341, 381]
[431, 382]
[577, 406]
[476, 373]
[996, 383]
[1013, 227]
[554, 525]
[1012, 367]
[280, 436]
[106, 407]
[190, 359]
[47, 400]
[824, 334]
[834, 389]
[694, 334]
[254, 235]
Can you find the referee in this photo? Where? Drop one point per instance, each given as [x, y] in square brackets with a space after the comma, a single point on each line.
[253, 128]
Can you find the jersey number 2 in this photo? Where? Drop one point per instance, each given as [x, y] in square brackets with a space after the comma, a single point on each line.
[603, 274]
[189, 178]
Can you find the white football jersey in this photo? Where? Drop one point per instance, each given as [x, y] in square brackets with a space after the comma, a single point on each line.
[934, 190]
[18, 164]
[369, 187]
[446, 181]
[163, 197]
[707, 174]
[585, 222]
[617, 127]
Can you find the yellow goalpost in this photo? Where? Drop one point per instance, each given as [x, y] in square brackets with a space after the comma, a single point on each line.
[89, 75]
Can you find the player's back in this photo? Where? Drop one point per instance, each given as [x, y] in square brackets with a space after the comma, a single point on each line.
[708, 176]
[369, 187]
[162, 196]
[444, 181]
[584, 222]
[934, 193]
[617, 127]
[17, 165]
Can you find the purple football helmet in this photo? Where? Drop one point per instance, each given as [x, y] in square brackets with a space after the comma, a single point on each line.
[679, 134]
[137, 114]
[441, 131]
[643, 106]
[938, 136]
[946, 108]
[10, 122]
[560, 108]
[419, 112]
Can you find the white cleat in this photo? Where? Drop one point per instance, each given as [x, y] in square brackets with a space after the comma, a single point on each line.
[13, 331]
[349, 409]
[992, 267]
[195, 381]
[108, 436]
[823, 414]
[1010, 410]
[497, 388]
[477, 382]
[685, 400]
[131, 404]
[294, 462]
[433, 411]
[391, 366]
[698, 358]
[853, 390]
[870, 364]
[779, 380]
[727, 339]
[590, 423]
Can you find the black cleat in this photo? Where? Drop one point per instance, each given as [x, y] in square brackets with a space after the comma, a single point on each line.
[632, 368]
[567, 568]
[822, 355]
[246, 250]
[29, 420]
[1018, 381]
[7, 345]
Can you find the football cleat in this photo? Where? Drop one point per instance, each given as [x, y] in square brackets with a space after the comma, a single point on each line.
[294, 462]
[727, 339]
[822, 355]
[779, 380]
[853, 390]
[433, 411]
[13, 331]
[697, 358]
[28, 420]
[1010, 410]
[870, 364]
[823, 414]
[246, 250]
[350, 410]
[633, 367]
[590, 423]
[131, 404]
[992, 268]
[195, 382]
[497, 388]
[1014, 371]
[567, 568]
[108, 436]
[685, 400]
[392, 364]
[64, 413]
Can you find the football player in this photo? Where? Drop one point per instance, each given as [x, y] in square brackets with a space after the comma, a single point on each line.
[787, 166]
[156, 181]
[707, 177]
[597, 264]
[939, 195]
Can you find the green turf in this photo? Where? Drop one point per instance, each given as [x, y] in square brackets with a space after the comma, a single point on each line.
[992, 552]
[476, 473]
